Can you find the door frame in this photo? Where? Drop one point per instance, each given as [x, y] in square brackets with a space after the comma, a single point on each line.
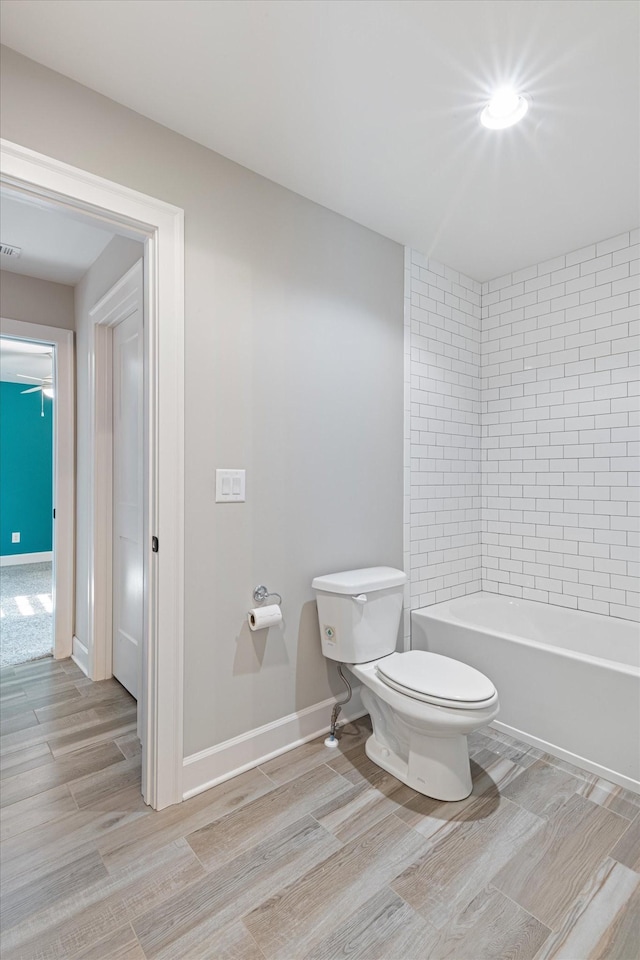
[161, 226]
[63, 472]
[116, 305]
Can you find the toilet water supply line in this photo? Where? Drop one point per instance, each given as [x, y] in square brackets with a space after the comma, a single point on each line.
[331, 740]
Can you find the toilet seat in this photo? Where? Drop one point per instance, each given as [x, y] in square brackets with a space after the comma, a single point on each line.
[436, 679]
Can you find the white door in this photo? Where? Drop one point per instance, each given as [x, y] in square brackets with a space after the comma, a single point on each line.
[128, 568]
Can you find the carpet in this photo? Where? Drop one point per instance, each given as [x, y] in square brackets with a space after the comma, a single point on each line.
[26, 613]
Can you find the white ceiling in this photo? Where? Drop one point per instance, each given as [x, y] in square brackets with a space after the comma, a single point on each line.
[371, 108]
[55, 245]
[23, 361]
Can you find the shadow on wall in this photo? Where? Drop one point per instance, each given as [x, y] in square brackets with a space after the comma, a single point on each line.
[259, 648]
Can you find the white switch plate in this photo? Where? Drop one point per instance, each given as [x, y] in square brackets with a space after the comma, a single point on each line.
[230, 486]
[15, 538]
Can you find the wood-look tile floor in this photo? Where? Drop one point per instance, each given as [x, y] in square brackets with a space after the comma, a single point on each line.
[316, 855]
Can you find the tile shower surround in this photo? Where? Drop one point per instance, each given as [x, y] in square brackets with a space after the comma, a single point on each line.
[522, 431]
[442, 520]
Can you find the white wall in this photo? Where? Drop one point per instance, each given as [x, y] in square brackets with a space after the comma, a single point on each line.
[293, 371]
[556, 412]
[442, 432]
[561, 434]
[36, 301]
[117, 257]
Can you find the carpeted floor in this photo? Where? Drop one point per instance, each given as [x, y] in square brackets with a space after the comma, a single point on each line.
[26, 623]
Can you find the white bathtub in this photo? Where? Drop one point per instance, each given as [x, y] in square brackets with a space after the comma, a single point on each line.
[568, 682]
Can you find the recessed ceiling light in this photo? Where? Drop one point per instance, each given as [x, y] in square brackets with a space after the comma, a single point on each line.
[505, 108]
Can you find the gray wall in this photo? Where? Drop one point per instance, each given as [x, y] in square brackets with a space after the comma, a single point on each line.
[294, 370]
[36, 301]
[120, 254]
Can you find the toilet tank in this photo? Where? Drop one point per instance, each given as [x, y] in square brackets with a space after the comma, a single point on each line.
[359, 613]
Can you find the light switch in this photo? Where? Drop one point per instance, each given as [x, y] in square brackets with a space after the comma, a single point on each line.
[230, 486]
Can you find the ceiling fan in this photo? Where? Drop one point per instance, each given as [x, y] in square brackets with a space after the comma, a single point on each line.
[44, 385]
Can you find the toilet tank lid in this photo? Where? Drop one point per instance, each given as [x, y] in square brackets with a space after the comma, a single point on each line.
[360, 581]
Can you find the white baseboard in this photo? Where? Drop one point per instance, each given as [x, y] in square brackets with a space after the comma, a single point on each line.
[80, 655]
[588, 765]
[15, 559]
[212, 766]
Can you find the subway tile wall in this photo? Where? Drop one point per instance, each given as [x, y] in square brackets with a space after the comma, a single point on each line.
[522, 431]
[442, 433]
[560, 430]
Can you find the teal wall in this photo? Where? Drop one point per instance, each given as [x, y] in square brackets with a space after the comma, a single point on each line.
[26, 470]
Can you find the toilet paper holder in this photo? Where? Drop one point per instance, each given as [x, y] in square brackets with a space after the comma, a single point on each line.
[260, 594]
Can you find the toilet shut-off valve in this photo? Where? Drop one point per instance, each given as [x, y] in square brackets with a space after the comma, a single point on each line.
[331, 740]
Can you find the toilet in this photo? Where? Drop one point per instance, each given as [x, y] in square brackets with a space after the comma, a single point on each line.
[422, 705]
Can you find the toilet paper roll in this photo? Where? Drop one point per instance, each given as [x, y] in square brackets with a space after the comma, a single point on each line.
[262, 617]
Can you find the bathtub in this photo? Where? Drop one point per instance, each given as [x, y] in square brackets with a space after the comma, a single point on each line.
[568, 682]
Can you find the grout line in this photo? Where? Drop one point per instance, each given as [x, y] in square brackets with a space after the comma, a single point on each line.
[520, 907]
[329, 833]
[206, 870]
[270, 779]
[252, 936]
[341, 775]
[137, 940]
[631, 824]
[73, 797]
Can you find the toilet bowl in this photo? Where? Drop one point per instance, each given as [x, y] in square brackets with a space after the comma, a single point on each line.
[422, 705]
[421, 738]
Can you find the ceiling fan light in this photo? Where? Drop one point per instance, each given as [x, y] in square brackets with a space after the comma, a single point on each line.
[48, 391]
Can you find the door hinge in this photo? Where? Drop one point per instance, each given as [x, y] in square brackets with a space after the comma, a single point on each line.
[54, 513]
[154, 544]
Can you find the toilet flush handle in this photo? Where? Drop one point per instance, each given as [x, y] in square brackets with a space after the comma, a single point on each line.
[361, 598]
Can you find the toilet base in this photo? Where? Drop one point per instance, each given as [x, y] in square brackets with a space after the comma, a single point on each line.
[437, 767]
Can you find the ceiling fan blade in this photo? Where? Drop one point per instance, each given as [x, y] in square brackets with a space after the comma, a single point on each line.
[31, 390]
[23, 376]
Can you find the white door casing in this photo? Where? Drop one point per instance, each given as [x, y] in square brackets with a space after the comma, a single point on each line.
[117, 318]
[63, 472]
[161, 225]
[127, 356]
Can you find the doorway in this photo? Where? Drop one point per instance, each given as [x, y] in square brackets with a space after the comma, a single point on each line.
[54, 519]
[27, 398]
[160, 226]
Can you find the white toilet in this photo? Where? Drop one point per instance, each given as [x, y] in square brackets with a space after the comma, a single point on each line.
[422, 705]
